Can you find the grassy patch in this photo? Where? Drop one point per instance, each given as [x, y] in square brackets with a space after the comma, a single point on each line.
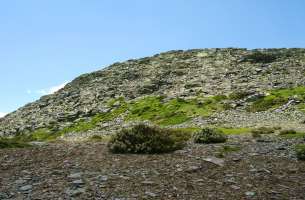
[235, 131]
[277, 98]
[175, 111]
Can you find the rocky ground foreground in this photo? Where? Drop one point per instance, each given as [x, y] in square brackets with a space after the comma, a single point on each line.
[242, 168]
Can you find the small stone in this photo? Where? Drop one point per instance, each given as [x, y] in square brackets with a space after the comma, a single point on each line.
[26, 188]
[20, 181]
[214, 160]
[234, 187]
[151, 194]
[75, 175]
[78, 182]
[148, 182]
[102, 178]
[39, 144]
[75, 192]
[250, 194]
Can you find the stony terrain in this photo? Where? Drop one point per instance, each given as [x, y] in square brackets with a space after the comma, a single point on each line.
[266, 169]
[174, 74]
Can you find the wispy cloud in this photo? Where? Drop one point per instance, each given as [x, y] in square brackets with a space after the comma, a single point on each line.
[47, 91]
[2, 114]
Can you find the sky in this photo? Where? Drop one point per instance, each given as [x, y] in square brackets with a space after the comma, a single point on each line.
[45, 44]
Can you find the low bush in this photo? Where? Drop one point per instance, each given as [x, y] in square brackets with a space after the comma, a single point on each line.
[263, 130]
[209, 135]
[238, 95]
[147, 139]
[300, 151]
[260, 57]
[288, 132]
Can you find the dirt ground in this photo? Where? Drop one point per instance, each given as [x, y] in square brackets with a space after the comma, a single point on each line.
[63, 170]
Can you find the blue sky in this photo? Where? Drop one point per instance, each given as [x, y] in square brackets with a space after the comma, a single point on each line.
[46, 43]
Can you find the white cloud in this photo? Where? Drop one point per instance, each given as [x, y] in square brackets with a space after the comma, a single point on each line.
[47, 91]
[2, 114]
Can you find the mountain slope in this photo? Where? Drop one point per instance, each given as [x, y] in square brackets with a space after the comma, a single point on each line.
[232, 87]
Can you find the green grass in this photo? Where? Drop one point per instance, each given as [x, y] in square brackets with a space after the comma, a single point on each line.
[277, 98]
[235, 131]
[175, 111]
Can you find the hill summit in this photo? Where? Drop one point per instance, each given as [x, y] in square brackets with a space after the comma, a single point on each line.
[228, 87]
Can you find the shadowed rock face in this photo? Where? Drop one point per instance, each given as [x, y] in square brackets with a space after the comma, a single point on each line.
[172, 74]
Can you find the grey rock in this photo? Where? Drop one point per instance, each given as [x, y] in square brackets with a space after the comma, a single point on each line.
[75, 175]
[26, 188]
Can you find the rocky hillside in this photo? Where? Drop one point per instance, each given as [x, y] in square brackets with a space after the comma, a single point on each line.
[227, 87]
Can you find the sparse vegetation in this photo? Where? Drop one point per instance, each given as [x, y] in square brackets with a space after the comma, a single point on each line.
[209, 135]
[300, 151]
[147, 139]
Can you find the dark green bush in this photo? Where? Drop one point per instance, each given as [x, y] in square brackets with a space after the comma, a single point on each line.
[300, 151]
[147, 139]
[260, 57]
[238, 95]
[262, 130]
[209, 135]
[287, 132]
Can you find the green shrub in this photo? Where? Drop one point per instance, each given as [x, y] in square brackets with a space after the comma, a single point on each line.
[238, 95]
[147, 139]
[300, 151]
[288, 132]
[260, 57]
[209, 135]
